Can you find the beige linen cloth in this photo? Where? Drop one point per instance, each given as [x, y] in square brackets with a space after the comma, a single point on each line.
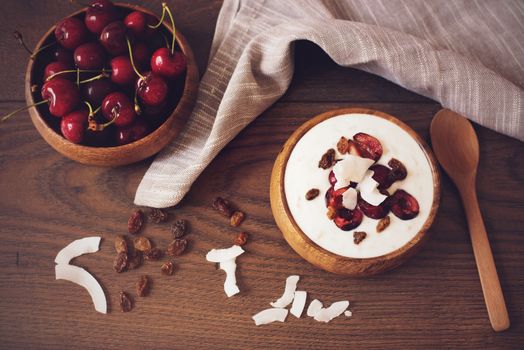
[468, 55]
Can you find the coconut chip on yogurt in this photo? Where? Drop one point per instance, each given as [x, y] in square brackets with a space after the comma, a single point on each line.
[226, 257]
[299, 301]
[77, 248]
[289, 292]
[270, 315]
[350, 169]
[349, 198]
[369, 191]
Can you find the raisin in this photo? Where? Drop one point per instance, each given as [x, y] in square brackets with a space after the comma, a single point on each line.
[135, 222]
[398, 170]
[177, 247]
[343, 145]
[120, 263]
[312, 194]
[328, 159]
[237, 218]
[142, 286]
[383, 224]
[125, 302]
[168, 268]
[157, 215]
[241, 239]
[142, 244]
[332, 178]
[154, 254]
[223, 207]
[135, 260]
[358, 236]
[179, 228]
[121, 244]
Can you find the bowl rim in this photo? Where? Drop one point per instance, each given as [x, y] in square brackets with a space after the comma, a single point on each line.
[277, 179]
[185, 102]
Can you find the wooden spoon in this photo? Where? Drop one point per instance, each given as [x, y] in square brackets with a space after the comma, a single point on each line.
[457, 149]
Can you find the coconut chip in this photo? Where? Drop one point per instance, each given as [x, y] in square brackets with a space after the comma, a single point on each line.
[83, 278]
[220, 255]
[299, 301]
[368, 190]
[226, 258]
[77, 248]
[348, 313]
[314, 307]
[334, 310]
[350, 169]
[270, 315]
[289, 292]
[349, 198]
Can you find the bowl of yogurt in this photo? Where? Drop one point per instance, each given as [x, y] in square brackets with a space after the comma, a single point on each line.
[354, 191]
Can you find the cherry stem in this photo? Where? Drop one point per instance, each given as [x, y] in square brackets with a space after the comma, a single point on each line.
[7, 116]
[100, 76]
[18, 36]
[42, 48]
[131, 59]
[77, 71]
[164, 5]
[138, 110]
[161, 18]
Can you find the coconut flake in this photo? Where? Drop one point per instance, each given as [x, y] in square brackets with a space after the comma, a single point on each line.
[83, 278]
[368, 190]
[270, 315]
[289, 292]
[334, 310]
[220, 255]
[348, 313]
[230, 285]
[299, 301]
[314, 307]
[349, 198]
[351, 168]
[77, 248]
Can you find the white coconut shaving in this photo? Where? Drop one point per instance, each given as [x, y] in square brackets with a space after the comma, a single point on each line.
[220, 255]
[334, 310]
[349, 198]
[83, 278]
[314, 307]
[77, 248]
[270, 315]
[350, 168]
[369, 191]
[289, 292]
[348, 313]
[299, 301]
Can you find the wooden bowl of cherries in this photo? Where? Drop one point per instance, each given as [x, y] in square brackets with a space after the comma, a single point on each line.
[111, 84]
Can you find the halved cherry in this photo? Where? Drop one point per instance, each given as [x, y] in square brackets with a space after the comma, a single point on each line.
[380, 175]
[329, 195]
[404, 205]
[348, 219]
[332, 178]
[369, 146]
[336, 198]
[373, 211]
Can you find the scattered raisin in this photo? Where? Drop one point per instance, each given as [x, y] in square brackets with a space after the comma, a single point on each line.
[237, 218]
[241, 238]
[383, 223]
[343, 145]
[331, 213]
[177, 247]
[328, 159]
[120, 263]
[135, 260]
[168, 268]
[398, 170]
[312, 194]
[125, 302]
[223, 207]
[179, 228]
[142, 286]
[154, 254]
[120, 244]
[142, 244]
[135, 222]
[358, 236]
[157, 215]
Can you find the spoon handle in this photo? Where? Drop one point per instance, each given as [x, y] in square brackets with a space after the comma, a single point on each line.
[498, 314]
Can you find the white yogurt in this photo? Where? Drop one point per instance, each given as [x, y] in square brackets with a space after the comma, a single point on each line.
[302, 174]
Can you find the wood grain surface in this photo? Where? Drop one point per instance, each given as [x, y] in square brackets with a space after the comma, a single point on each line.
[434, 301]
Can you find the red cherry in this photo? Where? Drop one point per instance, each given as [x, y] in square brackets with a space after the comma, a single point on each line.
[404, 205]
[348, 219]
[137, 130]
[70, 33]
[372, 211]
[122, 72]
[113, 38]
[55, 67]
[90, 56]
[74, 125]
[141, 54]
[152, 90]
[62, 94]
[99, 14]
[369, 146]
[168, 65]
[62, 55]
[138, 23]
[99, 138]
[116, 104]
[95, 91]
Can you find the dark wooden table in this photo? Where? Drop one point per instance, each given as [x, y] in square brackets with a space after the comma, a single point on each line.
[46, 201]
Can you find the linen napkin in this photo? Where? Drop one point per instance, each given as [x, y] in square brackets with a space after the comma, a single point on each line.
[468, 55]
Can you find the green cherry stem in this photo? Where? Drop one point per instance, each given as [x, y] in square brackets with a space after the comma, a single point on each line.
[77, 71]
[100, 76]
[161, 18]
[164, 5]
[131, 59]
[18, 36]
[7, 116]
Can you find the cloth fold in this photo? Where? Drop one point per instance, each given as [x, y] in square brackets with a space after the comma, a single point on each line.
[470, 63]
